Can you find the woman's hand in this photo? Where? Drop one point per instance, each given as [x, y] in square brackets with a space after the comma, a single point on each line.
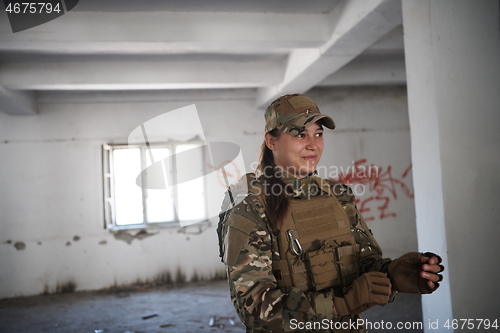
[416, 272]
[431, 266]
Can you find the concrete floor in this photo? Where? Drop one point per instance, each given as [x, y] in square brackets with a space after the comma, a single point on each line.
[189, 308]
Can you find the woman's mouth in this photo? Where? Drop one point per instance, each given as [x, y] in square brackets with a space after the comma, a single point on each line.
[311, 158]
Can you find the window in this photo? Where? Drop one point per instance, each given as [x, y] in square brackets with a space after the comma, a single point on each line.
[139, 188]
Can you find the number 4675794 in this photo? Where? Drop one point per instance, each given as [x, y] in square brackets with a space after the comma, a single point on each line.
[32, 8]
[471, 324]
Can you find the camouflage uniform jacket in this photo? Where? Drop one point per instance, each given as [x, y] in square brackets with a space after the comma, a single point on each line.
[250, 248]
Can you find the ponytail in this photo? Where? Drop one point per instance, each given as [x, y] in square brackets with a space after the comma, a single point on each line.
[276, 203]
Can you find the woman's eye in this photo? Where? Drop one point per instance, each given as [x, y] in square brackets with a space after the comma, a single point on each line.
[300, 135]
[319, 134]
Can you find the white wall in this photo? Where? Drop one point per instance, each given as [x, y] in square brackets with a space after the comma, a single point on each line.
[453, 65]
[51, 181]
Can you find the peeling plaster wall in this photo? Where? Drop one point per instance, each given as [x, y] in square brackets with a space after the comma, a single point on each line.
[53, 237]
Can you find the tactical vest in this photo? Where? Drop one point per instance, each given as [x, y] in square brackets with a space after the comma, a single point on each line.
[317, 249]
[316, 246]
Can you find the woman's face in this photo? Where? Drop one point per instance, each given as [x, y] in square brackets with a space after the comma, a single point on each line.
[298, 154]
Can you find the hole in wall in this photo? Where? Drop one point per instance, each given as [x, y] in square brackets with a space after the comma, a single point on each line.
[19, 246]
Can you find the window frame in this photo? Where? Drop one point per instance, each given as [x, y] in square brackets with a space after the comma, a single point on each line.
[109, 186]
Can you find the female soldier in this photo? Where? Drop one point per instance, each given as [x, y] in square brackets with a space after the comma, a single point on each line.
[299, 256]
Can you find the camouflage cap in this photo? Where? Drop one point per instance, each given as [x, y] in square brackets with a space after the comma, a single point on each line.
[292, 114]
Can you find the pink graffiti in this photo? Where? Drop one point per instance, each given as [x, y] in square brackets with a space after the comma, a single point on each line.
[381, 186]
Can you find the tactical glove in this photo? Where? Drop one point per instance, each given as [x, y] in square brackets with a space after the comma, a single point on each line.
[405, 273]
[372, 288]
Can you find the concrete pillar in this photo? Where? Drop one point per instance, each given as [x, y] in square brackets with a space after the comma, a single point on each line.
[452, 52]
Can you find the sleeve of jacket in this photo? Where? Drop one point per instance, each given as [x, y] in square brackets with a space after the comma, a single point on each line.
[254, 290]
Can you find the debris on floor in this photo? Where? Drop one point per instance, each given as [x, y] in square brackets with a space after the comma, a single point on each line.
[190, 308]
[150, 316]
[218, 321]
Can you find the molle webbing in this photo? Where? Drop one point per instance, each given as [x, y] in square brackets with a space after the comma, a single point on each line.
[322, 228]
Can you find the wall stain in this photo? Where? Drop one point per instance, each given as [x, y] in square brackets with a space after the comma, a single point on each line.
[163, 279]
[194, 230]
[61, 288]
[195, 277]
[219, 275]
[103, 242]
[67, 287]
[68, 243]
[19, 246]
[128, 237]
[76, 238]
[180, 277]
[8, 242]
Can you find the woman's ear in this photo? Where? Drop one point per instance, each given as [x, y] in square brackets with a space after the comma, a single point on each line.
[270, 141]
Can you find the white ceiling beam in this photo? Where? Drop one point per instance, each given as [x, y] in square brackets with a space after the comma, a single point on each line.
[139, 75]
[369, 71]
[359, 24]
[17, 102]
[167, 32]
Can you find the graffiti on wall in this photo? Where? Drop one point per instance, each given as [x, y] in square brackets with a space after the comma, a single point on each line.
[380, 186]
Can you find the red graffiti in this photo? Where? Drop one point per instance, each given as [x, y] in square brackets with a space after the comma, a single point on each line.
[380, 184]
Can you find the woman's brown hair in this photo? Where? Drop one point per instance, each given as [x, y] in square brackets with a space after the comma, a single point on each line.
[276, 197]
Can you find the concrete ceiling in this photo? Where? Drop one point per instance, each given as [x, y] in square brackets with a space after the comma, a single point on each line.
[275, 47]
[253, 6]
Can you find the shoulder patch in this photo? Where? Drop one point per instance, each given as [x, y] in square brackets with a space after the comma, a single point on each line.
[240, 222]
[237, 236]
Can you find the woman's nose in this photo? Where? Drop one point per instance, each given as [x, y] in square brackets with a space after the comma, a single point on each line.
[311, 143]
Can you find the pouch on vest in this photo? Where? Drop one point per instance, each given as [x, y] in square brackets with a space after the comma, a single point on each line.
[333, 267]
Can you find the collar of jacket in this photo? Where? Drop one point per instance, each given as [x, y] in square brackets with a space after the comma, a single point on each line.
[306, 187]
